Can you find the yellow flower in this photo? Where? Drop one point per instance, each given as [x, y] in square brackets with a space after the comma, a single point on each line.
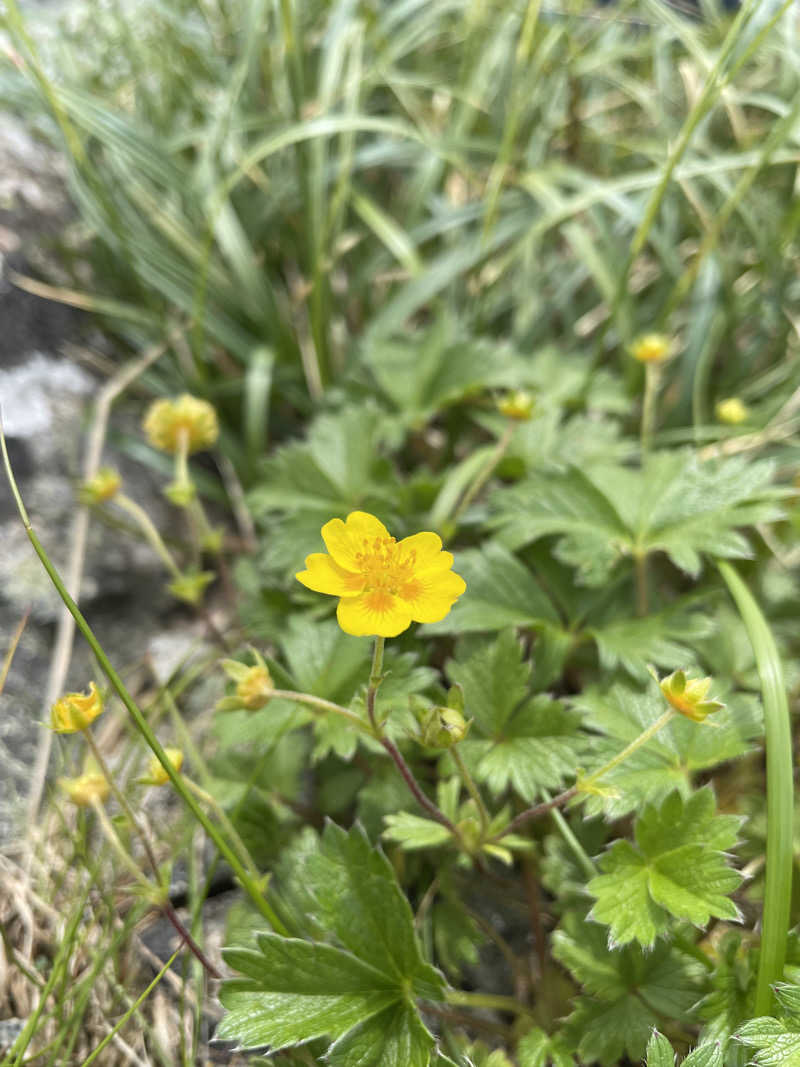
[384, 584]
[156, 775]
[167, 422]
[516, 405]
[732, 411]
[651, 348]
[688, 695]
[83, 790]
[102, 487]
[254, 685]
[75, 711]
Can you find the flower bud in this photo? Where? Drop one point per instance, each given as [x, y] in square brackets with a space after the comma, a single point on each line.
[102, 487]
[688, 695]
[75, 711]
[156, 773]
[254, 685]
[168, 421]
[88, 787]
[181, 494]
[191, 586]
[651, 348]
[732, 411]
[442, 727]
[518, 404]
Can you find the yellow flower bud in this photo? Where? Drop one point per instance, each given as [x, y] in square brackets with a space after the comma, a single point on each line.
[75, 711]
[102, 487]
[156, 774]
[516, 405]
[732, 411]
[688, 695]
[651, 348]
[167, 421]
[254, 689]
[86, 788]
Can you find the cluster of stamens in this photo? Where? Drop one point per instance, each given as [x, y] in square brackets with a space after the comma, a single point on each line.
[383, 566]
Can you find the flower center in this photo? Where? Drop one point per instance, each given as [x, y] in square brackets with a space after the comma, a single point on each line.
[384, 565]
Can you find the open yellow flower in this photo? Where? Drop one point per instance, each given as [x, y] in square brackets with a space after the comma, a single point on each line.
[384, 585]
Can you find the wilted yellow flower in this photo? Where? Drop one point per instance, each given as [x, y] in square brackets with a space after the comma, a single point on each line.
[167, 422]
[75, 711]
[732, 411]
[88, 787]
[688, 695]
[102, 487]
[516, 405]
[384, 585]
[651, 348]
[156, 774]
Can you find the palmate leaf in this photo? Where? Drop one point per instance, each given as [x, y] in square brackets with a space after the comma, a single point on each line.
[539, 1049]
[670, 759]
[628, 989]
[678, 867]
[777, 1040]
[674, 504]
[518, 741]
[358, 992]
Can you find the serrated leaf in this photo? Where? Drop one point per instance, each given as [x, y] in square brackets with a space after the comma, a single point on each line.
[706, 1055]
[628, 989]
[412, 831]
[294, 991]
[394, 1038]
[538, 1049]
[356, 896]
[528, 744]
[679, 869]
[660, 1052]
[777, 1042]
[502, 592]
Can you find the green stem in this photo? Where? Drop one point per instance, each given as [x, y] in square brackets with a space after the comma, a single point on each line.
[586, 783]
[250, 886]
[780, 792]
[652, 380]
[472, 789]
[231, 830]
[574, 844]
[318, 704]
[375, 678]
[485, 473]
[153, 537]
[491, 1001]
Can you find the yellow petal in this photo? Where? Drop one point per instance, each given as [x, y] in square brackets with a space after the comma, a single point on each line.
[427, 548]
[377, 612]
[345, 540]
[430, 596]
[324, 575]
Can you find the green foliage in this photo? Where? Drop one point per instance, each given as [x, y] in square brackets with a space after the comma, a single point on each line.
[359, 995]
[777, 1041]
[678, 868]
[661, 1054]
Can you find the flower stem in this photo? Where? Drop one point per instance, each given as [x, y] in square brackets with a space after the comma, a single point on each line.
[485, 473]
[492, 1001]
[318, 704]
[375, 678]
[251, 887]
[233, 833]
[642, 599]
[587, 783]
[153, 537]
[652, 380]
[472, 789]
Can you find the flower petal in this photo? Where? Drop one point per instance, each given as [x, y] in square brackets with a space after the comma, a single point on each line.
[429, 596]
[324, 575]
[345, 540]
[427, 547]
[377, 612]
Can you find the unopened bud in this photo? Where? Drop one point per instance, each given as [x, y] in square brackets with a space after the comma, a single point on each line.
[442, 727]
[651, 348]
[732, 411]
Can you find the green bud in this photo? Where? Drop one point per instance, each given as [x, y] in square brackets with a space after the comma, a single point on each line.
[181, 494]
[442, 727]
[191, 586]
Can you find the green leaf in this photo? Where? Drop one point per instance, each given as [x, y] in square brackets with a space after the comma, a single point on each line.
[679, 868]
[394, 1038]
[501, 592]
[628, 990]
[661, 640]
[778, 1043]
[412, 831]
[659, 1051]
[357, 898]
[527, 743]
[294, 991]
[538, 1049]
[675, 504]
